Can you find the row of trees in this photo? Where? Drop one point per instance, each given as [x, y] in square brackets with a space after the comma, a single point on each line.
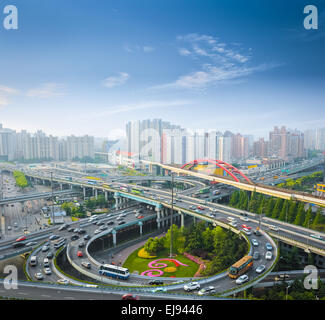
[285, 210]
[296, 291]
[74, 210]
[303, 183]
[20, 178]
[93, 203]
[221, 248]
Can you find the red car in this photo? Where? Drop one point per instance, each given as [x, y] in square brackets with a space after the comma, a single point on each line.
[245, 226]
[129, 296]
[140, 217]
[22, 238]
[79, 254]
[200, 208]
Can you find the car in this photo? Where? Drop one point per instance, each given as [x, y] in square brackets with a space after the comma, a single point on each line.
[31, 243]
[86, 264]
[246, 231]
[87, 237]
[260, 268]
[81, 244]
[100, 223]
[74, 237]
[281, 277]
[49, 255]
[76, 230]
[103, 227]
[45, 248]
[62, 227]
[244, 219]
[140, 217]
[257, 232]
[70, 229]
[22, 238]
[160, 289]
[255, 242]
[79, 254]
[191, 286]
[81, 231]
[63, 281]
[256, 255]
[268, 246]
[206, 290]
[108, 215]
[155, 282]
[47, 271]
[110, 223]
[9, 228]
[268, 255]
[242, 279]
[54, 237]
[121, 222]
[200, 208]
[245, 226]
[39, 276]
[129, 296]
[316, 236]
[119, 218]
[97, 231]
[233, 223]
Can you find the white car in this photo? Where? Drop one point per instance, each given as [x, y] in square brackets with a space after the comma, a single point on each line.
[192, 286]
[206, 291]
[268, 255]
[242, 279]
[97, 231]
[248, 232]
[316, 236]
[39, 276]
[254, 242]
[260, 268]
[63, 281]
[233, 223]
[47, 271]
[244, 219]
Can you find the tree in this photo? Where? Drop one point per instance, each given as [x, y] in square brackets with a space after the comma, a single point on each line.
[284, 210]
[277, 208]
[178, 239]
[300, 217]
[269, 207]
[292, 211]
[318, 219]
[308, 217]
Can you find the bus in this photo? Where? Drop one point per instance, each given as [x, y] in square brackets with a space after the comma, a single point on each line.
[110, 270]
[240, 267]
[137, 191]
[205, 190]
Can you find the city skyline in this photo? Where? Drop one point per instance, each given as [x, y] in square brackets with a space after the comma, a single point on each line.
[241, 68]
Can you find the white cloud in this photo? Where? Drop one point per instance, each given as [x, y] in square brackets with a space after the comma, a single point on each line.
[148, 49]
[4, 93]
[218, 62]
[114, 81]
[46, 90]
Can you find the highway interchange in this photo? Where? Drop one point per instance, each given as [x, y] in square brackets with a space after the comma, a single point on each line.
[213, 211]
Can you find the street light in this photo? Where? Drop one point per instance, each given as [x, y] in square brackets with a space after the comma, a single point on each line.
[171, 219]
[52, 198]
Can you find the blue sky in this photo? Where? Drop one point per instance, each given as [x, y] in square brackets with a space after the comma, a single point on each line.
[89, 67]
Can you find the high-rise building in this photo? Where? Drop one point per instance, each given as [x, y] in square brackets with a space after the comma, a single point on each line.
[261, 148]
[225, 148]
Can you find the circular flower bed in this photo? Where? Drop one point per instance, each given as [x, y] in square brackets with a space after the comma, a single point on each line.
[144, 254]
[170, 269]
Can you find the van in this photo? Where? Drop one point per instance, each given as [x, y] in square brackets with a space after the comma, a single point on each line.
[86, 264]
[33, 261]
[274, 228]
[46, 262]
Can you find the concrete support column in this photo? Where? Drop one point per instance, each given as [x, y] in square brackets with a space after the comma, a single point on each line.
[96, 193]
[158, 217]
[114, 238]
[140, 224]
[106, 195]
[61, 186]
[84, 191]
[182, 218]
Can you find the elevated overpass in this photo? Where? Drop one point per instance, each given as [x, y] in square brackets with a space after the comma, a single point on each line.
[271, 191]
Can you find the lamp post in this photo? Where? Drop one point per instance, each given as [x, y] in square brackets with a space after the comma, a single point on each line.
[171, 218]
[52, 198]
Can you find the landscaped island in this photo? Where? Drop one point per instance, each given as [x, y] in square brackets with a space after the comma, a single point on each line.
[198, 250]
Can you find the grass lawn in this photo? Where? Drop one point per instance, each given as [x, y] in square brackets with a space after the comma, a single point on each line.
[135, 263]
